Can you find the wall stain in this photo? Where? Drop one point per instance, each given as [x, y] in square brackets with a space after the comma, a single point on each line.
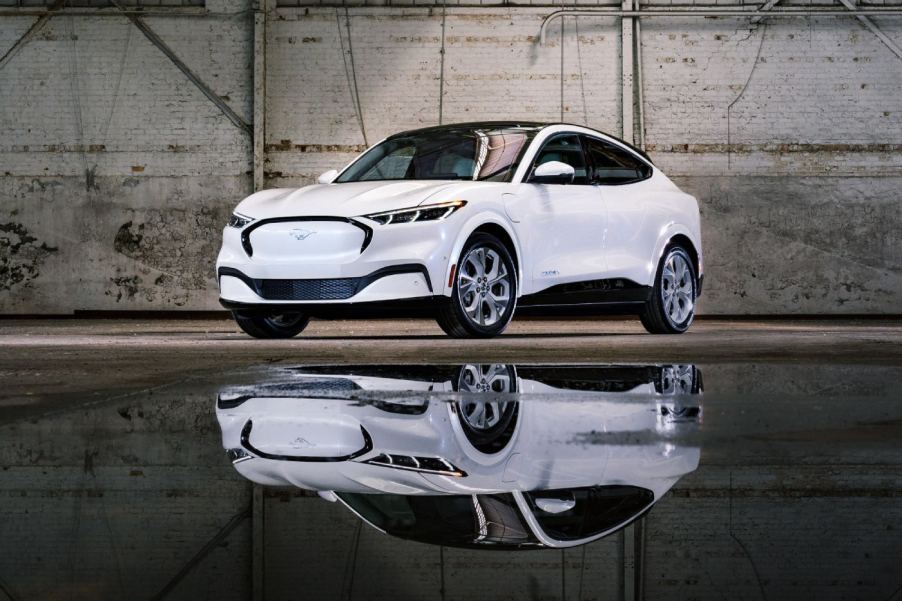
[21, 255]
[127, 286]
[172, 250]
[128, 239]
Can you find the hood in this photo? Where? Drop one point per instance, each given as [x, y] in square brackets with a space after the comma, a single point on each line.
[346, 200]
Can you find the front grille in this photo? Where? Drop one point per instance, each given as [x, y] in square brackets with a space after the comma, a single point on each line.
[308, 290]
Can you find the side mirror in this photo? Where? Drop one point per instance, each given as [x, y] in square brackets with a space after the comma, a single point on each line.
[553, 172]
[556, 505]
[328, 177]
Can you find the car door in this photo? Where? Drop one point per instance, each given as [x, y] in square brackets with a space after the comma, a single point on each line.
[623, 180]
[561, 225]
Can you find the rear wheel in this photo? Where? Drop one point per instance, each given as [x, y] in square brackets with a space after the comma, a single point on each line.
[485, 290]
[672, 305]
[273, 325]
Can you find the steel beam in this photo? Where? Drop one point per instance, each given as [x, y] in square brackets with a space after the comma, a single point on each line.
[32, 31]
[106, 12]
[157, 41]
[866, 21]
[764, 8]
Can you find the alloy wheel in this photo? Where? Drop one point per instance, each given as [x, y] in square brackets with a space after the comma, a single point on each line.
[482, 415]
[484, 286]
[677, 289]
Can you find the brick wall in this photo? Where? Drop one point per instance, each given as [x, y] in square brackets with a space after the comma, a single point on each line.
[116, 173]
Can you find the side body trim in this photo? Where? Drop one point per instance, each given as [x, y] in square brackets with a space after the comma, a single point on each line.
[589, 292]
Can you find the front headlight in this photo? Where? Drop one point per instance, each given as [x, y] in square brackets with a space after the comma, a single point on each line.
[434, 212]
[239, 221]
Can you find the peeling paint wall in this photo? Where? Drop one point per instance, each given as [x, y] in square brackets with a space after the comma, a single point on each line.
[122, 173]
[116, 173]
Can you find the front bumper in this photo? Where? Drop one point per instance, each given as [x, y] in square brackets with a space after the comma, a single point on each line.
[326, 260]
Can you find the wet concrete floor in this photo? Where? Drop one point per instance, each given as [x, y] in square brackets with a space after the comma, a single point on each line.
[566, 460]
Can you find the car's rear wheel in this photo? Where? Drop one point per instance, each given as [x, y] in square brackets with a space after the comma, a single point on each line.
[485, 290]
[272, 325]
[672, 305]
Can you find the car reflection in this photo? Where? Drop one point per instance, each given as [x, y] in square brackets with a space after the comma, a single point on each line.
[491, 455]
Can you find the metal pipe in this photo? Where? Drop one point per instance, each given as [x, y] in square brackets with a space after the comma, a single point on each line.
[640, 99]
[785, 13]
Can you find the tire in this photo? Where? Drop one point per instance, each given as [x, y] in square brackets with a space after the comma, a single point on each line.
[488, 422]
[672, 305]
[485, 307]
[678, 379]
[280, 325]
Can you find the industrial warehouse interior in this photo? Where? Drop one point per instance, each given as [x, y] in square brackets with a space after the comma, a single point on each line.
[168, 431]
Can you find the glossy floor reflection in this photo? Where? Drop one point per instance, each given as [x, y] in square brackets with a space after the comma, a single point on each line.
[716, 481]
[480, 455]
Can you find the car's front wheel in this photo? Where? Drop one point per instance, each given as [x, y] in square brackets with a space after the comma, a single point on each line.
[484, 294]
[272, 325]
[672, 305]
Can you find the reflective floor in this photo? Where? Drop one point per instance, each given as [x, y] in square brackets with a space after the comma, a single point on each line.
[463, 481]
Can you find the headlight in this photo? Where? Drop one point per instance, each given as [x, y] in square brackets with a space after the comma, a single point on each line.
[434, 212]
[428, 465]
[239, 221]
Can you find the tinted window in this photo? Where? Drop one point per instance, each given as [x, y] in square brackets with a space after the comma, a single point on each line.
[467, 154]
[595, 509]
[461, 520]
[566, 149]
[612, 165]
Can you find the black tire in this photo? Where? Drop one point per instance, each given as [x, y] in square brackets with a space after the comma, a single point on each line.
[656, 315]
[452, 317]
[488, 422]
[279, 325]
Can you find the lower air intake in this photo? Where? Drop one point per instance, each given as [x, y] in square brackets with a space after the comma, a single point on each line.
[309, 290]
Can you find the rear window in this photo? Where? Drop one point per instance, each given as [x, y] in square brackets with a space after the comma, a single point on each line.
[612, 165]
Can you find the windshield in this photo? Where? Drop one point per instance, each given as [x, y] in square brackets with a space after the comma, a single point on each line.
[490, 154]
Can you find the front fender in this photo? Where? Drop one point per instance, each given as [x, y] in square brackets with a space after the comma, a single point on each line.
[474, 222]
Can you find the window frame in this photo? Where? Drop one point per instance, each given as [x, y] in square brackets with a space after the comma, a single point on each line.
[551, 138]
[628, 151]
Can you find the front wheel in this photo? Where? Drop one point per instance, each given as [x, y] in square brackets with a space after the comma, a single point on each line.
[672, 305]
[484, 294]
[273, 325]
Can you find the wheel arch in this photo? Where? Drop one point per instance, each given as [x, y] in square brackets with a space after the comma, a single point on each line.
[684, 241]
[493, 225]
[678, 235]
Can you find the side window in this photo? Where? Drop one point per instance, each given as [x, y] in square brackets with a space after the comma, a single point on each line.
[611, 165]
[567, 149]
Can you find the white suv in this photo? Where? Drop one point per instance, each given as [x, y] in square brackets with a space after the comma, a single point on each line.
[468, 223]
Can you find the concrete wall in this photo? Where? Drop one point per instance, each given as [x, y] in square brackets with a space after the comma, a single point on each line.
[116, 173]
